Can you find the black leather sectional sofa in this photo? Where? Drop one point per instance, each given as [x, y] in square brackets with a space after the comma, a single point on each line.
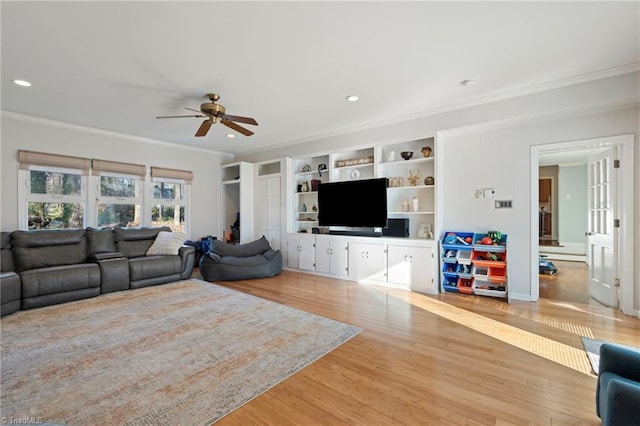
[47, 267]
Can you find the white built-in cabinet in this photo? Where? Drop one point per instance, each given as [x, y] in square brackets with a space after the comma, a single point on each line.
[301, 251]
[367, 262]
[412, 267]
[331, 255]
[284, 194]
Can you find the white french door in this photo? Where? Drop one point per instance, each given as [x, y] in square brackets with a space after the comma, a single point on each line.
[602, 237]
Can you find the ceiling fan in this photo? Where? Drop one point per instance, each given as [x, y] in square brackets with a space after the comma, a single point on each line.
[214, 112]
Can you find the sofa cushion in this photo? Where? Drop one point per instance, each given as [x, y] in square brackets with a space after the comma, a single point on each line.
[100, 241]
[59, 279]
[134, 242]
[167, 243]
[241, 250]
[6, 261]
[143, 268]
[46, 248]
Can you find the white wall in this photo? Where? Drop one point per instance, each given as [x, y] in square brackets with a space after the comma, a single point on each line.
[572, 203]
[500, 158]
[468, 136]
[57, 138]
[472, 135]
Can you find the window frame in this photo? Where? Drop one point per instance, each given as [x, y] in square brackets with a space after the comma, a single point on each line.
[185, 202]
[139, 199]
[26, 196]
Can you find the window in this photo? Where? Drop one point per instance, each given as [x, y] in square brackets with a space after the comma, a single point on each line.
[119, 201]
[170, 198]
[59, 193]
[55, 195]
[55, 199]
[119, 193]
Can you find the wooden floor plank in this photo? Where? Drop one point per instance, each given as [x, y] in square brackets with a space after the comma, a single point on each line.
[436, 360]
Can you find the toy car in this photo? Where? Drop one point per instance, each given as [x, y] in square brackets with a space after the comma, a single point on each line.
[546, 266]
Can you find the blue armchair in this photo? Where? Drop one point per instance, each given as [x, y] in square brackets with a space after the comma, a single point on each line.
[618, 388]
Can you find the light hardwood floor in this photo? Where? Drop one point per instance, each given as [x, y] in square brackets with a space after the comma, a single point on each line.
[436, 360]
[570, 284]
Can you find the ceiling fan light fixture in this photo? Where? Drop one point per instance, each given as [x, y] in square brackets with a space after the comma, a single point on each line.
[23, 83]
[231, 135]
[352, 98]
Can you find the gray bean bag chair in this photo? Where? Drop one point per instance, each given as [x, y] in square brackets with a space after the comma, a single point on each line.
[228, 262]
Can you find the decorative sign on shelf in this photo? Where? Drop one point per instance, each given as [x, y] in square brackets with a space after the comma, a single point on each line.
[355, 161]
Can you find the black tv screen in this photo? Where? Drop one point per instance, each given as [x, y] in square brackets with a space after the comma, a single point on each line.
[356, 203]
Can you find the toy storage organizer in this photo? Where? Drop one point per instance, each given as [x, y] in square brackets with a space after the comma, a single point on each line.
[470, 267]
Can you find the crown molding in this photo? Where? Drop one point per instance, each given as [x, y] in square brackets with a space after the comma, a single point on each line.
[101, 132]
[495, 97]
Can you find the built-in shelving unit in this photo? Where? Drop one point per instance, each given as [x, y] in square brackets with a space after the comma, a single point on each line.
[403, 194]
[237, 198]
[308, 172]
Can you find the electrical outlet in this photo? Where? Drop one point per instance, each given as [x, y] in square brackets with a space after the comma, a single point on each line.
[479, 194]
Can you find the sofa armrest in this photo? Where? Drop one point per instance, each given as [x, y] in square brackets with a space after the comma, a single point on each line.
[96, 257]
[621, 401]
[621, 361]
[188, 257]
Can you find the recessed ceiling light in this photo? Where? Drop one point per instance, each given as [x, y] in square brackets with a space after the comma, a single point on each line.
[467, 83]
[23, 83]
[230, 135]
[352, 98]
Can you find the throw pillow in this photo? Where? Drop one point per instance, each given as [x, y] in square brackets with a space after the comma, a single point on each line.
[167, 243]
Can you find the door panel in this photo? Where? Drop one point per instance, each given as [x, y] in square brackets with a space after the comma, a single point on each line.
[601, 235]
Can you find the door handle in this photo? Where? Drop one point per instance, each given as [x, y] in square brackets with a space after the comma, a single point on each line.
[588, 234]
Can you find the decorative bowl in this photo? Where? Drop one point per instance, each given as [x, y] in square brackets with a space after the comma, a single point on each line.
[406, 154]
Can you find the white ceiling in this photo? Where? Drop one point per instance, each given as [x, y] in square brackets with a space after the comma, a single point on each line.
[116, 65]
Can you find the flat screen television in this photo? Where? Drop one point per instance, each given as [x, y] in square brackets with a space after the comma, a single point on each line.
[355, 203]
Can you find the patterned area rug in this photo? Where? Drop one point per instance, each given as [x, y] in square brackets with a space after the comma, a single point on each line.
[592, 348]
[175, 354]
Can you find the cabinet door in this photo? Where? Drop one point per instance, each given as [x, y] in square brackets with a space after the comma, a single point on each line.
[323, 255]
[339, 257]
[307, 252]
[269, 210]
[357, 261]
[376, 268]
[422, 269]
[398, 265]
[293, 253]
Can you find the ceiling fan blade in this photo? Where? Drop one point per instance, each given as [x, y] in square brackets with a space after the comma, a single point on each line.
[181, 116]
[204, 128]
[236, 127]
[246, 120]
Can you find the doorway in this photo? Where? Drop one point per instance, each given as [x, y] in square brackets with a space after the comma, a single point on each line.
[622, 257]
[547, 210]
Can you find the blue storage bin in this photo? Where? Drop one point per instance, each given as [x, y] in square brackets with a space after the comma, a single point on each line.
[450, 284]
[454, 240]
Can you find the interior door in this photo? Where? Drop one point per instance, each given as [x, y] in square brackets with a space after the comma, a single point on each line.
[602, 238]
[269, 210]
